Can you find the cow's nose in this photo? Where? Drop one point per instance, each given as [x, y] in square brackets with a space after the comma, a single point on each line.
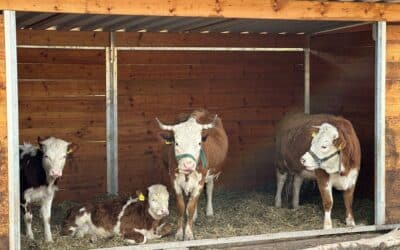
[189, 165]
[55, 173]
[165, 211]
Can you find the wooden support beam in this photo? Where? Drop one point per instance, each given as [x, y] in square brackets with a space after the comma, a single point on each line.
[3, 144]
[276, 9]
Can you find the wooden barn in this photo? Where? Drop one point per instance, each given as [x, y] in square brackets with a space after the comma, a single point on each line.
[98, 73]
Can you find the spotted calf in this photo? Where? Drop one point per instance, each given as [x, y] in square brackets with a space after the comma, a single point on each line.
[136, 219]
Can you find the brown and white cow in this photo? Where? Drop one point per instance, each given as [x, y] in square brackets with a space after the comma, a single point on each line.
[196, 147]
[40, 168]
[322, 147]
[136, 219]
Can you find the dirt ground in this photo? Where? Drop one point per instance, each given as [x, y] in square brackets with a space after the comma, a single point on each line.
[236, 213]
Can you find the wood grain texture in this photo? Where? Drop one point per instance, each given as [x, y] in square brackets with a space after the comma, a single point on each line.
[62, 94]
[342, 83]
[303, 10]
[392, 160]
[49, 37]
[249, 91]
[4, 221]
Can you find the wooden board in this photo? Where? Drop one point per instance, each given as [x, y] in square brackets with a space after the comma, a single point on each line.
[342, 83]
[4, 222]
[68, 38]
[310, 10]
[250, 95]
[392, 124]
[62, 94]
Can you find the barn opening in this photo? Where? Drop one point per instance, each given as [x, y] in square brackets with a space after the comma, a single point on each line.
[100, 81]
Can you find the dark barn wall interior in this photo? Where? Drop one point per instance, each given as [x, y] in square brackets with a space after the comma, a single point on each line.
[62, 94]
[249, 91]
[342, 83]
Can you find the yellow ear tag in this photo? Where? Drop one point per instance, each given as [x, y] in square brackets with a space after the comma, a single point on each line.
[168, 142]
[313, 134]
[141, 197]
[340, 147]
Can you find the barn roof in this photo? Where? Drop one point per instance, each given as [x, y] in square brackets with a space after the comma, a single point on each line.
[86, 22]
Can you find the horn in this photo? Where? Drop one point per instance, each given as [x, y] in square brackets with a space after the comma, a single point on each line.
[210, 125]
[163, 126]
[318, 127]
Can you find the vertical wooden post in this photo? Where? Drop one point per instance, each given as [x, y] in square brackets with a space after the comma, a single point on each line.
[392, 159]
[3, 143]
[9, 152]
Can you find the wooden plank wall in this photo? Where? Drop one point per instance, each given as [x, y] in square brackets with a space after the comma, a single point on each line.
[4, 221]
[342, 83]
[62, 94]
[392, 123]
[249, 91]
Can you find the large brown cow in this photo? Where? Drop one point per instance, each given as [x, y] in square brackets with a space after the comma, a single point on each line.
[196, 147]
[324, 147]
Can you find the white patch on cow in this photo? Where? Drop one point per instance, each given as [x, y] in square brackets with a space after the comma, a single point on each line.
[158, 197]
[344, 182]
[85, 226]
[82, 209]
[28, 225]
[191, 186]
[188, 233]
[117, 226]
[54, 156]
[327, 220]
[280, 182]
[209, 188]
[40, 193]
[350, 221]
[27, 149]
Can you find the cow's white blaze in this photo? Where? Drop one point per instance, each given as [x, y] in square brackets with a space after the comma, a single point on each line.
[158, 201]
[54, 156]
[322, 145]
[187, 142]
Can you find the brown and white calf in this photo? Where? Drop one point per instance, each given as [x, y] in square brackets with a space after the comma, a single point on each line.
[40, 168]
[195, 149]
[321, 147]
[136, 219]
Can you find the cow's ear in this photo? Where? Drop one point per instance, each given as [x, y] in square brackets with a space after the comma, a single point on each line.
[314, 131]
[339, 143]
[204, 137]
[72, 147]
[40, 140]
[142, 195]
[166, 137]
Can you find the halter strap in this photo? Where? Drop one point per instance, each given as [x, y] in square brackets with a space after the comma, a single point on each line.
[202, 157]
[319, 161]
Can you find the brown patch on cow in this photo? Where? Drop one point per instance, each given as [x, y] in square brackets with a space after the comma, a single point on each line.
[322, 180]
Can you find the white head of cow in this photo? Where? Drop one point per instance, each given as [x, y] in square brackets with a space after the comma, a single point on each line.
[158, 201]
[323, 152]
[187, 142]
[55, 153]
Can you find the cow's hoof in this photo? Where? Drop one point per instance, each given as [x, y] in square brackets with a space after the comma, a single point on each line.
[93, 239]
[209, 212]
[189, 236]
[350, 222]
[328, 225]
[179, 234]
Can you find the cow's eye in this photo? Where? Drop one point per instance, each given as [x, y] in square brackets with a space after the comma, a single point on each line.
[176, 144]
[200, 143]
[46, 156]
[65, 156]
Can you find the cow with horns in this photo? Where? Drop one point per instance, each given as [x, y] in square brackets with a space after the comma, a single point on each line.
[194, 151]
[40, 169]
[322, 147]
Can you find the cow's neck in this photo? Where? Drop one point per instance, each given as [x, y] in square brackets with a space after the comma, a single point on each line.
[333, 165]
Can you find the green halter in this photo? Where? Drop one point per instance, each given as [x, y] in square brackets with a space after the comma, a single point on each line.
[202, 157]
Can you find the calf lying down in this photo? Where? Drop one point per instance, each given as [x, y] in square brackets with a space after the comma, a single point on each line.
[136, 219]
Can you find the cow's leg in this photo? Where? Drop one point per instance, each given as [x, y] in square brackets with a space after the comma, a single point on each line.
[280, 182]
[325, 189]
[209, 187]
[191, 208]
[348, 202]
[297, 182]
[135, 238]
[195, 215]
[180, 204]
[46, 214]
[28, 220]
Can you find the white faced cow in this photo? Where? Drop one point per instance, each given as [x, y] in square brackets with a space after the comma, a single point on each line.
[194, 152]
[40, 169]
[136, 219]
[321, 147]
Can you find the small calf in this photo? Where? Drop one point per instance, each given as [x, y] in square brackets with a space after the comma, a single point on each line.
[136, 219]
[40, 169]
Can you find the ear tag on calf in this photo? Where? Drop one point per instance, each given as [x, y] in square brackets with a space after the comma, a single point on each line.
[340, 147]
[313, 134]
[141, 197]
[168, 142]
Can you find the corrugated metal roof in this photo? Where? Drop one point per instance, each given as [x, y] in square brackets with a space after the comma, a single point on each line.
[42, 21]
